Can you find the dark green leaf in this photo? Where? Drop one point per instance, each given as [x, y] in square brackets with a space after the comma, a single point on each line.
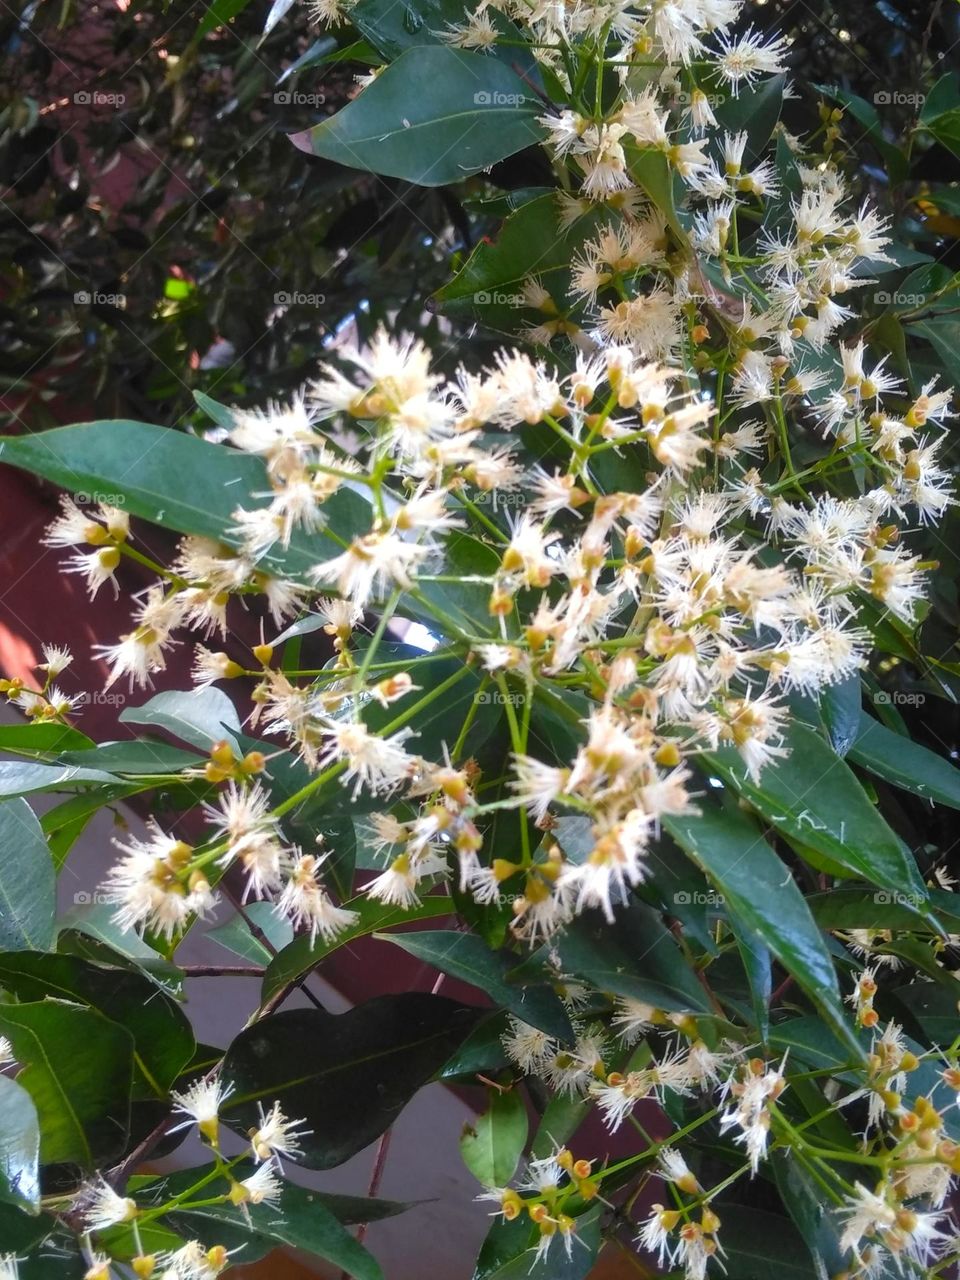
[815, 799]
[467, 957]
[350, 1075]
[200, 717]
[27, 881]
[301, 955]
[905, 763]
[19, 1147]
[761, 898]
[163, 1040]
[145, 464]
[78, 1068]
[492, 1146]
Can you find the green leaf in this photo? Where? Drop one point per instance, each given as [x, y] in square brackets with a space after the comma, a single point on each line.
[348, 1075]
[235, 934]
[561, 1119]
[467, 957]
[840, 709]
[136, 756]
[104, 940]
[492, 1147]
[65, 822]
[19, 778]
[299, 1218]
[77, 1066]
[434, 116]
[200, 717]
[19, 1147]
[635, 957]
[905, 763]
[531, 243]
[144, 466]
[943, 334]
[27, 881]
[758, 1245]
[218, 14]
[815, 799]
[756, 112]
[761, 897]
[163, 1039]
[301, 955]
[650, 170]
[42, 737]
[509, 1252]
[481, 1051]
[866, 115]
[941, 112]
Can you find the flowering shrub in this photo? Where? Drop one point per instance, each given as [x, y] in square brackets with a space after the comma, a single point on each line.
[603, 617]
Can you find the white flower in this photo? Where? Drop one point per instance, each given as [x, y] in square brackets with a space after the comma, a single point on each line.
[102, 1207]
[201, 1104]
[378, 764]
[306, 903]
[276, 1136]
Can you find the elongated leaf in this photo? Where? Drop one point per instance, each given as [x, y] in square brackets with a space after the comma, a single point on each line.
[758, 1245]
[235, 934]
[200, 717]
[840, 710]
[298, 1218]
[27, 880]
[19, 1147]
[905, 763]
[650, 171]
[761, 897]
[349, 1075]
[301, 955]
[42, 737]
[531, 243]
[943, 332]
[636, 957]
[509, 1252]
[144, 466]
[21, 778]
[491, 1148]
[163, 1040]
[467, 957]
[140, 756]
[434, 116]
[814, 798]
[78, 1068]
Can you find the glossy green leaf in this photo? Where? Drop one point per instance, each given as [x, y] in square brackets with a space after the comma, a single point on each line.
[943, 333]
[482, 1050]
[840, 710]
[636, 956]
[758, 1245]
[21, 778]
[761, 897]
[236, 935]
[301, 955]
[434, 116]
[19, 1147]
[137, 756]
[144, 465]
[492, 1146]
[42, 737]
[815, 799]
[348, 1075]
[27, 881]
[650, 170]
[77, 1066]
[755, 111]
[509, 1252]
[905, 763]
[163, 1039]
[200, 717]
[89, 929]
[467, 957]
[530, 242]
[298, 1218]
